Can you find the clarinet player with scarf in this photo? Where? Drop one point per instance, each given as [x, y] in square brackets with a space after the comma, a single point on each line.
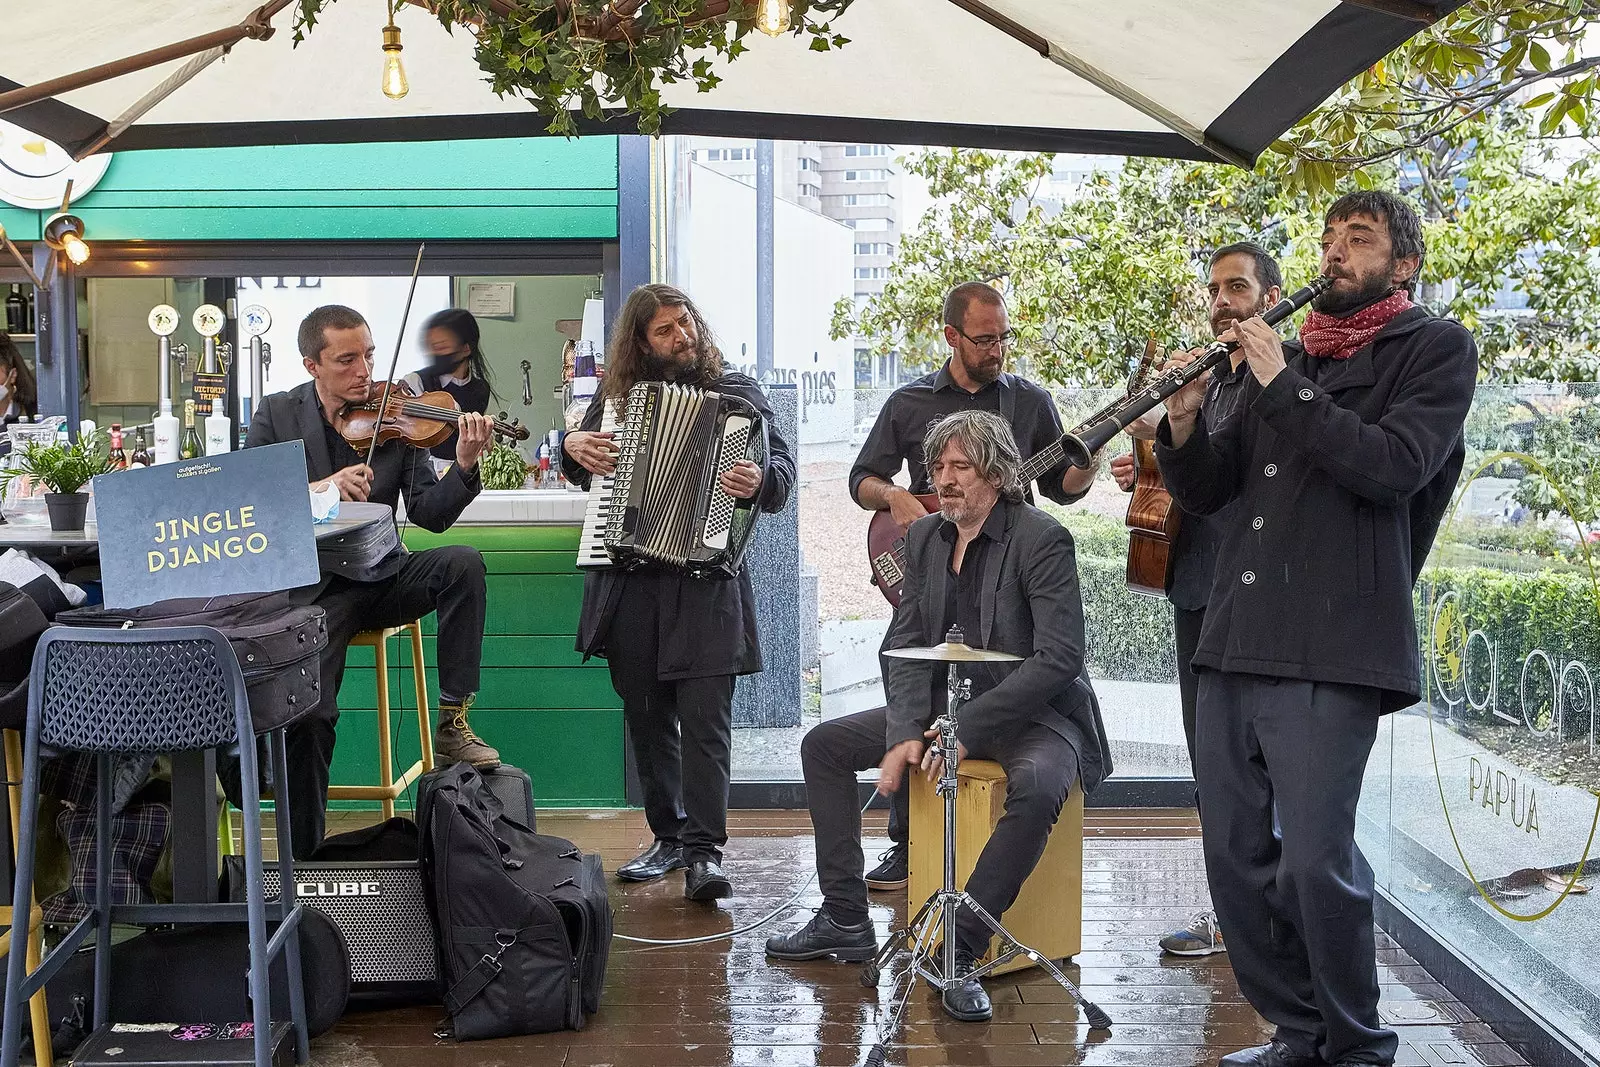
[1340, 456]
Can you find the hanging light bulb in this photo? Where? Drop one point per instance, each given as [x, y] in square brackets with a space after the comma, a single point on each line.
[76, 249]
[772, 17]
[395, 84]
[65, 233]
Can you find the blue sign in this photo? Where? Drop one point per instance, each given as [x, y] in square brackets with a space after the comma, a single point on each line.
[236, 523]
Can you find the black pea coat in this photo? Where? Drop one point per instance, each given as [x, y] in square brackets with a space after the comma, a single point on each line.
[706, 626]
[1342, 470]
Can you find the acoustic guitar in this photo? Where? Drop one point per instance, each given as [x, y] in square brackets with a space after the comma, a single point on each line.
[1152, 520]
[886, 539]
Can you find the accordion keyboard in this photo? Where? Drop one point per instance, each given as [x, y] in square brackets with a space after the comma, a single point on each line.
[597, 513]
[719, 514]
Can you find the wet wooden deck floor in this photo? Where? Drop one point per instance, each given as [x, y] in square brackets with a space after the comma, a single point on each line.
[724, 1004]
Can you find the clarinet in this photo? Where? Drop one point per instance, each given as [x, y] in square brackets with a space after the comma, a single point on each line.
[1080, 447]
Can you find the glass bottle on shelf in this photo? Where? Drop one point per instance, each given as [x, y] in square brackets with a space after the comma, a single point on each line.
[189, 447]
[118, 457]
[141, 455]
[16, 311]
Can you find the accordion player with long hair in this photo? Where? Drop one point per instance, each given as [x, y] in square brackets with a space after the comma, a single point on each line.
[671, 607]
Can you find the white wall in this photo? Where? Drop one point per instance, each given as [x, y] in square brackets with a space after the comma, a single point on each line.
[379, 300]
[812, 269]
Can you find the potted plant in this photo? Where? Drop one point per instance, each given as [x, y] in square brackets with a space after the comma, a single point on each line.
[63, 470]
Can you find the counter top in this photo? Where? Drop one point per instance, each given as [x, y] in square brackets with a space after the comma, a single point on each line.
[525, 507]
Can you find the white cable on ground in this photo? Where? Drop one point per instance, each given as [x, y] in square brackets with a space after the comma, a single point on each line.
[736, 931]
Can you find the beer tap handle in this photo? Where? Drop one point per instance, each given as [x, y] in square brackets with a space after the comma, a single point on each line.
[266, 359]
[224, 355]
[180, 353]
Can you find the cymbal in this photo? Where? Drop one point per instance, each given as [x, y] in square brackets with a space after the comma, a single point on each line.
[953, 652]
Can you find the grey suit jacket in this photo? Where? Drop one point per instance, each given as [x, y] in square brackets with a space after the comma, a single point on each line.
[1029, 605]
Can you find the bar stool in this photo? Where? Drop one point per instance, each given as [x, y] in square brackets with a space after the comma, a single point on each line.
[162, 690]
[389, 787]
[39, 1011]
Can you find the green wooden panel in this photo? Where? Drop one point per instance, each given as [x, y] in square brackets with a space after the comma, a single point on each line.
[499, 538]
[539, 704]
[523, 650]
[499, 687]
[558, 562]
[529, 187]
[573, 755]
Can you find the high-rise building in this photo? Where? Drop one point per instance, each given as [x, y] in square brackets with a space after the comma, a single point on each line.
[860, 185]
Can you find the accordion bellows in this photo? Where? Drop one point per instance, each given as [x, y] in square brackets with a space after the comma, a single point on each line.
[665, 505]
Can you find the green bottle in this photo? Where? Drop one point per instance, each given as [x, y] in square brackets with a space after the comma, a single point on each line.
[189, 447]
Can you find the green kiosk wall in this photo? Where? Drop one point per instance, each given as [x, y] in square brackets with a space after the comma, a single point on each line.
[540, 705]
[543, 709]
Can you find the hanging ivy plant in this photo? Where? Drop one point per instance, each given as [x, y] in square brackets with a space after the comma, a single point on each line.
[589, 55]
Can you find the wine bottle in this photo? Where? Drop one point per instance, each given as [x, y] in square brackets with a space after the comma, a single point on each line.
[190, 446]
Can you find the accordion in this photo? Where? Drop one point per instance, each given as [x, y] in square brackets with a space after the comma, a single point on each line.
[664, 504]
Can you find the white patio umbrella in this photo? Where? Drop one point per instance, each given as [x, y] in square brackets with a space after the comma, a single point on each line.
[1183, 78]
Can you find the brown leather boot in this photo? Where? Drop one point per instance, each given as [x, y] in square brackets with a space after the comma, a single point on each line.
[454, 740]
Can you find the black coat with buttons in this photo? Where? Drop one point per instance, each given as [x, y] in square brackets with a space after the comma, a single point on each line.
[1342, 470]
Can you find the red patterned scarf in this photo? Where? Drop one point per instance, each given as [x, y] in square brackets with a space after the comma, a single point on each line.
[1325, 335]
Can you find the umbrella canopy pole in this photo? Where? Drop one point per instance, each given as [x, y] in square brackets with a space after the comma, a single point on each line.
[257, 27]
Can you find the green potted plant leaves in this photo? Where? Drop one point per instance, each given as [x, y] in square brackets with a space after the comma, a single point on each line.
[64, 470]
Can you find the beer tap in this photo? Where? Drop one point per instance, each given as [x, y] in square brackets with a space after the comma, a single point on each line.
[255, 320]
[209, 321]
[527, 384]
[163, 322]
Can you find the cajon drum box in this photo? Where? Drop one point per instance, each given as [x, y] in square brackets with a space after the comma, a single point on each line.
[1048, 913]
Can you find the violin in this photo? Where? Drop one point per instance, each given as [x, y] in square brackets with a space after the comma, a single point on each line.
[423, 420]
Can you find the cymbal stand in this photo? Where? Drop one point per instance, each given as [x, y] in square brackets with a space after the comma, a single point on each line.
[937, 916]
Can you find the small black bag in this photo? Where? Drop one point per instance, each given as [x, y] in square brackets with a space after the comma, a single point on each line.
[277, 641]
[21, 623]
[522, 921]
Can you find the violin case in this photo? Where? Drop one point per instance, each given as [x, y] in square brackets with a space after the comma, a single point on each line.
[278, 643]
[369, 552]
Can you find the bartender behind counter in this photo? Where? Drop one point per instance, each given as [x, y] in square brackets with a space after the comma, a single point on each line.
[456, 366]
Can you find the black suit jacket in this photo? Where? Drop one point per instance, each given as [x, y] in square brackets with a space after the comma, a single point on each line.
[397, 467]
[1029, 605]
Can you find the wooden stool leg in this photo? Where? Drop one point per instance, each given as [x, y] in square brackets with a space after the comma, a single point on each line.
[380, 653]
[38, 1009]
[419, 677]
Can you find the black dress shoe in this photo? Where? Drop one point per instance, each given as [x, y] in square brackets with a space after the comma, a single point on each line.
[653, 862]
[823, 937]
[1276, 1054]
[705, 881]
[967, 1002]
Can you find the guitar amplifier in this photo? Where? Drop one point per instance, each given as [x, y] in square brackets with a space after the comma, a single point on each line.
[378, 906]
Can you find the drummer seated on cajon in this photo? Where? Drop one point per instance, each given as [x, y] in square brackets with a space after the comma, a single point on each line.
[1004, 572]
[336, 349]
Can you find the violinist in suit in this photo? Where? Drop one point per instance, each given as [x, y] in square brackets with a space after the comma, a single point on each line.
[336, 347]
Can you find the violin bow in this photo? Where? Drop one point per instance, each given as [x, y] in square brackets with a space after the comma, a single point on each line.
[388, 379]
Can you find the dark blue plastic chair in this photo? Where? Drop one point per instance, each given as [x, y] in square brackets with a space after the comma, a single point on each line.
[173, 689]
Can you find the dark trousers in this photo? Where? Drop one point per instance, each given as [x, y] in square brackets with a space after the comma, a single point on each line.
[682, 731]
[448, 580]
[1040, 766]
[1296, 904]
[1186, 627]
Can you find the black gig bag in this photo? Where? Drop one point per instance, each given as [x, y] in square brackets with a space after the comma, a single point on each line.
[522, 921]
[278, 643]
